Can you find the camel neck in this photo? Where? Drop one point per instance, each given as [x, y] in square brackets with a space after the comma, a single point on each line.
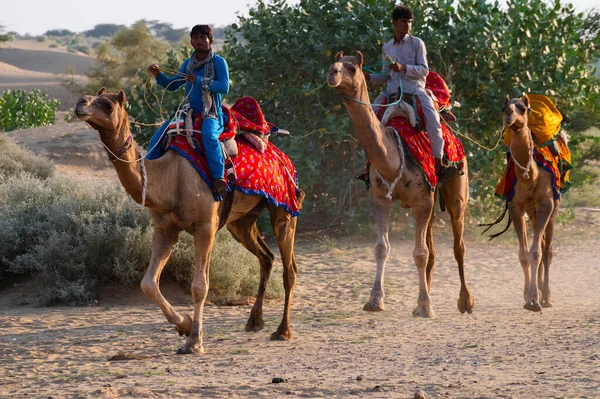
[370, 133]
[128, 161]
[521, 149]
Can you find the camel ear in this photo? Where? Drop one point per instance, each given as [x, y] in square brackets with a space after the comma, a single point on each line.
[506, 99]
[526, 101]
[122, 98]
[359, 58]
[339, 56]
[101, 91]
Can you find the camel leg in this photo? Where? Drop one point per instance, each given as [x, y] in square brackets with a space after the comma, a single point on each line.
[456, 203]
[381, 212]
[204, 237]
[543, 213]
[245, 231]
[431, 257]
[163, 241]
[517, 215]
[284, 227]
[547, 258]
[423, 215]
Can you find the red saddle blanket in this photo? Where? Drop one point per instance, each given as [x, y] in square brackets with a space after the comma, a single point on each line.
[270, 174]
[417, 141]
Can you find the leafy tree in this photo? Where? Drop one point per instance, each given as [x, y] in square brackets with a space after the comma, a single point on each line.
[103, 30]
[129, 51]
[483, 51]
[4, 37]
[164, 30]
[59, 32]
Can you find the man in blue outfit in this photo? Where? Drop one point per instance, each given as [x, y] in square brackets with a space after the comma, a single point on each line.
[206, 81]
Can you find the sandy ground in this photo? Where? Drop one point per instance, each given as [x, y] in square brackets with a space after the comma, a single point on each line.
[338, 351]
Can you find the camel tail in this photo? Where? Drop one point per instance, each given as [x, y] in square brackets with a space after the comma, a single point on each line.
[501, 218]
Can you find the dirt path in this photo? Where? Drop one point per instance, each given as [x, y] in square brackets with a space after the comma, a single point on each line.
[500, 351]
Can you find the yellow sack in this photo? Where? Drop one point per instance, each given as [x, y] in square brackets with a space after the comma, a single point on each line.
[544, 119]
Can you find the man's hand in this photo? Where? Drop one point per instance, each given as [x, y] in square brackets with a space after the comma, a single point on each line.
[154, 69]
[367, 76]
[397, 67]
[191, 78]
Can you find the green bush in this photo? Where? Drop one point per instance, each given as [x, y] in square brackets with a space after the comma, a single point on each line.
[20, 110]
[14, 160]
[482, 50]
[72, 237]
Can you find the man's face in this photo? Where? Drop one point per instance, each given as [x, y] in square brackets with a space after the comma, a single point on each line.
[200, 42]
[402, 26]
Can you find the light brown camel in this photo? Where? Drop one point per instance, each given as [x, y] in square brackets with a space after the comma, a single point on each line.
[178, 199]
[534, 196]
[383, 151]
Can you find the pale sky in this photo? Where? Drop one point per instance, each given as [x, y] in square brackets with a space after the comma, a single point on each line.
[38, 16]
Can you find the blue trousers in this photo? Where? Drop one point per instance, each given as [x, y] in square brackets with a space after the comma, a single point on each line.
[211, 130]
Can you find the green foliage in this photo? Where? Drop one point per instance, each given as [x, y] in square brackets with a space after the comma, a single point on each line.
[14, 161]
[282, 61]
[4, 37]
[164, 30]
[20, 110]
[59, 32]
[280, 54]
[129, 51]
[103, 30]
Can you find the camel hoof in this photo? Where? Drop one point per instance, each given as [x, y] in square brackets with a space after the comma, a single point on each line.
[533, 306]
[466, 306]
[426, 313]
[195, 350]
[546, 304]
[186, 327]
[374, 307]
[254, 325]
[277, 336]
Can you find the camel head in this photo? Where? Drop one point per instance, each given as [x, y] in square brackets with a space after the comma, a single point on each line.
[346, 74]
[515, 111]
[104, 111]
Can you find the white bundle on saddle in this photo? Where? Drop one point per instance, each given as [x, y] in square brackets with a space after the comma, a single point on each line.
[400, 110]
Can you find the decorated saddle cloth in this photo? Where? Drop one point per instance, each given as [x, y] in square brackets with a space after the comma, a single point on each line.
[417, 141]
[270, 174]
[544, 120]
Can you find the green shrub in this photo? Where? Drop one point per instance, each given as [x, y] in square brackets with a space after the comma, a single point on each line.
[72, 237]
[14, 160]
[20, 110]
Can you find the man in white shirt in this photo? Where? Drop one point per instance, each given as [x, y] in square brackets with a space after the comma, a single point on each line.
[408, 72]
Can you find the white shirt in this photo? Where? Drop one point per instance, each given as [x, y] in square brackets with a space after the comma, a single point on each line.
[409, 51]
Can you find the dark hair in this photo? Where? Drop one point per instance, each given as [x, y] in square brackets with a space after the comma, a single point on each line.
[402, 12]
[203, 30]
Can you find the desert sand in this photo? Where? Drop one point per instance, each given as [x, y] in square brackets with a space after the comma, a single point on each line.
[124, 347]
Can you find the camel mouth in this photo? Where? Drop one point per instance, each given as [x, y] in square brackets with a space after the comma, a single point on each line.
[82, 116]
[333, 82]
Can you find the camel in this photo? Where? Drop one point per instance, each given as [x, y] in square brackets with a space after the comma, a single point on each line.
[533, 196]
[385, 152]
[178, 199]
